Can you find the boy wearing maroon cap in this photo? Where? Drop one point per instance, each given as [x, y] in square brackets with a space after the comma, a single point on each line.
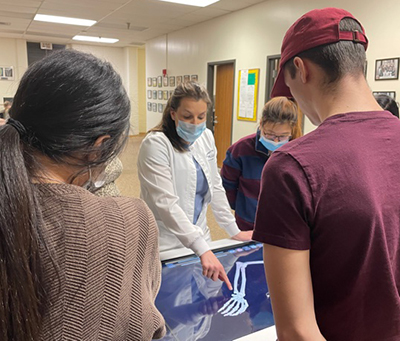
[329, 216]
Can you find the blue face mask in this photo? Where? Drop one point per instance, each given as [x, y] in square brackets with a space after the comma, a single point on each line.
[271, 145]
[190, 132]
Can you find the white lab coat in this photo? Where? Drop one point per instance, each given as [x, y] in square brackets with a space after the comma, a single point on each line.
[168, 186]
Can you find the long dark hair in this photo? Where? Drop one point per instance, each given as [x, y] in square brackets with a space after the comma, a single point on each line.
[63, 104]
[388, 103]
[167, 125]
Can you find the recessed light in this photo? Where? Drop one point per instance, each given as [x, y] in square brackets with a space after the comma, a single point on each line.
[199, 3]
[64, 20]
[96, 39]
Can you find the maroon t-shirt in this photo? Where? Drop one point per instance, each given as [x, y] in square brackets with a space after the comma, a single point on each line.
[336, 192]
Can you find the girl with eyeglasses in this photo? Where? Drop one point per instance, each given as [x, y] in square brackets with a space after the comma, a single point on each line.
[245, 159]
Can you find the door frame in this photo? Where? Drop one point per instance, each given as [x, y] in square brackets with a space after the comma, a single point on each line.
[268, 80]
[210, 89]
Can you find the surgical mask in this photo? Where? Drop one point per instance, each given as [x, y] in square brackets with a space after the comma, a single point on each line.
[190, 132]
[271, 145]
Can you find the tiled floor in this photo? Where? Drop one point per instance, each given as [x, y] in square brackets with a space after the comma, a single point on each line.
[128, 182]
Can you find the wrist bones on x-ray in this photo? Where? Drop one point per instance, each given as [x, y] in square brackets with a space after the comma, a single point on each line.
[238, 304]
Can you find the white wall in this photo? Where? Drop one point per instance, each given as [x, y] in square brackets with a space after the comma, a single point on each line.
[156, 61]
[252, 34]
[125, 62]
[13, 53]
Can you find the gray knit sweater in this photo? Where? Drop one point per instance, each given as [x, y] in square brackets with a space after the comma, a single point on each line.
[104, 270]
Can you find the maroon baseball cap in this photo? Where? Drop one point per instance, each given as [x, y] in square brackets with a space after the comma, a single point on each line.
[315, 28]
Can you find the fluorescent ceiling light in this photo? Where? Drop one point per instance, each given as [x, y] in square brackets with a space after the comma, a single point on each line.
[199, 3]
[64, 20]
[96, 39]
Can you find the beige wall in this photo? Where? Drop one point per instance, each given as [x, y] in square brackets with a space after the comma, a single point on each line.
[252, 34]
[125, 61]
[142, 90]
[13, 53]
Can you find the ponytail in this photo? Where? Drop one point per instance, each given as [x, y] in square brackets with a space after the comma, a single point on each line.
[21, 284]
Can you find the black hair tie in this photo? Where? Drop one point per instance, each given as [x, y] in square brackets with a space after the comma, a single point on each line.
[18, 126]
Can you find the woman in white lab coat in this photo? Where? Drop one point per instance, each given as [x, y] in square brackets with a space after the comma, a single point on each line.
[179, 178]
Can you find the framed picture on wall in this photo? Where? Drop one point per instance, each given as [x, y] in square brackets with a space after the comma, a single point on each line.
[186, 78]
[154, 81]
[149, 81]
[154, 107]
[7, 73]
[149, 94]
[160, 94]
[387, 69]
[149, 106]
[172, 81]
[154, 94]
[160, 107]
[178, 80]
[165, 81]
[165, 95]
[159, 81]
[387, 93]
[194, 78]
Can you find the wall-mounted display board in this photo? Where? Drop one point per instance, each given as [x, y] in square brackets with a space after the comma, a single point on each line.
[248, 94]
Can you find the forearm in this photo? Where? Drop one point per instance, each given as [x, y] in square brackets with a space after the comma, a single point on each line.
[300, 333]
[289, 282]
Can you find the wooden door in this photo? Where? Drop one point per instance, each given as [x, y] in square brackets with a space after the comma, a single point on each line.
[223, 109]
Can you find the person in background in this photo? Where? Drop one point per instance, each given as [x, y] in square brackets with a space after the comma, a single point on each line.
[245, 159]
[329, 205]
[4, 113]
[179, 178]
[388, 103]
[105, 184]
[73, 265]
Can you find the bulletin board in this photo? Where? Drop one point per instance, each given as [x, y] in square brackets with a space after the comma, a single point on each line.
[248, 94]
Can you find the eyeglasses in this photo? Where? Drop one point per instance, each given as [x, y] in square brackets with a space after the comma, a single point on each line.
[274, 137]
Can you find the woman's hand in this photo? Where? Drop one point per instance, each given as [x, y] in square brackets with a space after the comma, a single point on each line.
[213, 269]
[243, 236]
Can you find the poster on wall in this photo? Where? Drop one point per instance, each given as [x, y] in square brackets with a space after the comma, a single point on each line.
[154, 107]
[6, 73]
[149, 94]
[160, 94]
[159, 81]
[154, 81]
[186, 78]
[149, 81]
[172, 81]
[165, 95]
[154, 94]
[194, 78]
[160, 107]
[171, 92]
[149, 106]
[178, 80]
[247, 94]
[165, 81]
